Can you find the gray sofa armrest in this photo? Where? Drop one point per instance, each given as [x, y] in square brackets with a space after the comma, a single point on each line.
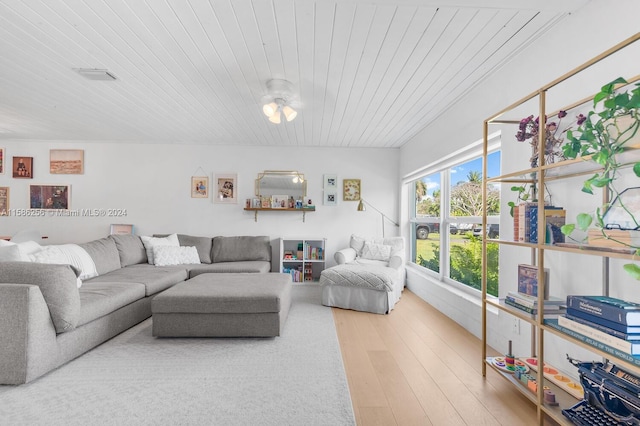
[345, 256]
[27, 334]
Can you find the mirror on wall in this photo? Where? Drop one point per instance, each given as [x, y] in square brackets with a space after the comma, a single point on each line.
[281, 182]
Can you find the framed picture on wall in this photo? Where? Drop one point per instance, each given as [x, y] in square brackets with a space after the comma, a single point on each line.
[2, 156]
[23, 167]
[66, 161]
[4, 200]
[330, 198]
[226, 188]
[199, 186]
[330, 182]
[49, 197]
[351, 189]
[121, 229]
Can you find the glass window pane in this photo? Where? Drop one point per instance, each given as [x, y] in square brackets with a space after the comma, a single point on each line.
[426, 226]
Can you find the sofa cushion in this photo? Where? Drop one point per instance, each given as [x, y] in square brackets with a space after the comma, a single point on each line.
[98, 299]
[69, 254]
[169, 255]
[249, 266]
[104, 254]
[130, 249]
[233, 249]
[151, 242]
[58, 287]
[154, 278]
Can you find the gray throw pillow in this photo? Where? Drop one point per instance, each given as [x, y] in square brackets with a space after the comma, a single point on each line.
[130, 249]
[104, 254]
[58, 285]
[234, 249]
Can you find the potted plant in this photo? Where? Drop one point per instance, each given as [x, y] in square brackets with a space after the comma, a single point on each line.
[602, 136]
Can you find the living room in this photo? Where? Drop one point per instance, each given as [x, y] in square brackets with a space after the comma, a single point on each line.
[143, 175]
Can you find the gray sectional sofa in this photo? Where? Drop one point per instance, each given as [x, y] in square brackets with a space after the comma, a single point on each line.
[46, 320]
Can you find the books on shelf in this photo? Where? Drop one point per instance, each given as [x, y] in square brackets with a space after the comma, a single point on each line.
[554, 311]
[552, 215]
[635, 360]
[552, 303]
[605, 329]
[631, 347]
[608, 308]
[629, 329]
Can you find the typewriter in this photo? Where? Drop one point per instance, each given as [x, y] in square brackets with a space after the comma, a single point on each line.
[611, 396]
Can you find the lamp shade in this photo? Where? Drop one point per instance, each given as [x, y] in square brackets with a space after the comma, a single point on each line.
[289, 113]
[361, 206]
[275, 117]
[270, 108]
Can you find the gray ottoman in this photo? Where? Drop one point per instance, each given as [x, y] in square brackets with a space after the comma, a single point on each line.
[223, 305]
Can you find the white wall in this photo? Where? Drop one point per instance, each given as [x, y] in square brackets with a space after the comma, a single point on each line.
[578, 38]
[152, 182]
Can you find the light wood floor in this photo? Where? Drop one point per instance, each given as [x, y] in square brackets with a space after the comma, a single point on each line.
[416, 366]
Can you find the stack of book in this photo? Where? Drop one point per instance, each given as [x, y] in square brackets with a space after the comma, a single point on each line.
[553, 306]
[525, 223]
[614, 324]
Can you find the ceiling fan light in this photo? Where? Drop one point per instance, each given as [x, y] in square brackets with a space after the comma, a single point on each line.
[275, 117]
[289, 112]
[269, 109]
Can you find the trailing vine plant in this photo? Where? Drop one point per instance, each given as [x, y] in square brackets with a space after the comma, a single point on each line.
[602, 136]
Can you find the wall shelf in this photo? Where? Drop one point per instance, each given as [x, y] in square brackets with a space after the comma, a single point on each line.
[261, 209]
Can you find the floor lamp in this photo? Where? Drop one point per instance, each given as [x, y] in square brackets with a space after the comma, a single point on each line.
[362, 208]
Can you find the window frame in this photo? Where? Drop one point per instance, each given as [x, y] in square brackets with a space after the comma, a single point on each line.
[444, 166]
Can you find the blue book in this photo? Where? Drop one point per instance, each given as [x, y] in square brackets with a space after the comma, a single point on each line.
[533, 221]
[608, 330]
[599, 320]
[635, 360]
[607, 308]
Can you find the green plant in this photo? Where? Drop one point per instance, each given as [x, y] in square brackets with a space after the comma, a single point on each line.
[603, 135]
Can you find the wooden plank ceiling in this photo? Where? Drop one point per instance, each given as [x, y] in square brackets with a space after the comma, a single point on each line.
[365, 73]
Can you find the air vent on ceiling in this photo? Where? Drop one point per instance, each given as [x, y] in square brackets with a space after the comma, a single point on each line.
[96, 74]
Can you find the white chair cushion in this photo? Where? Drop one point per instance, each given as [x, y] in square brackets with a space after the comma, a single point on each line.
[376, 251]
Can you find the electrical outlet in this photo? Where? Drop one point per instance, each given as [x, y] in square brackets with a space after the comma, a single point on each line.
[516, 326]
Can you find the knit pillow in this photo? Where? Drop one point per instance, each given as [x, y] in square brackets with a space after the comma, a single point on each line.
[170, 255]
[151, 242]
[376, 251]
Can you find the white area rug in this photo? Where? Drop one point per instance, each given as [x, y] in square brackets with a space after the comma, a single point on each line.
[136, 379]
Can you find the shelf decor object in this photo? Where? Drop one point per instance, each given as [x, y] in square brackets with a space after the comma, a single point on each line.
[593, 146]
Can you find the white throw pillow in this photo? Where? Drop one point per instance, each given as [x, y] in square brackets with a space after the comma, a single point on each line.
[171, 255]
[376, 251]
[151, 242]
[357, 243]
[11, 254]
[68, 254]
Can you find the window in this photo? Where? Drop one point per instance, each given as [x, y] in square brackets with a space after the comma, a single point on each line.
[450, 197]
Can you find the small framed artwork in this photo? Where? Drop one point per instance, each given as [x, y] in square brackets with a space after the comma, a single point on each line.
[199, 186]
[1, 161]
[528, 280]
[121, 229]
[49, 197]
[330, 182]
[351, 189]
[66, 161]
[330, 198]
[226, 185]
[23, 167]
[4, 200]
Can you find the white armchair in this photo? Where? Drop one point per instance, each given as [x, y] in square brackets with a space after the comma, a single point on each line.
[370, 275]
